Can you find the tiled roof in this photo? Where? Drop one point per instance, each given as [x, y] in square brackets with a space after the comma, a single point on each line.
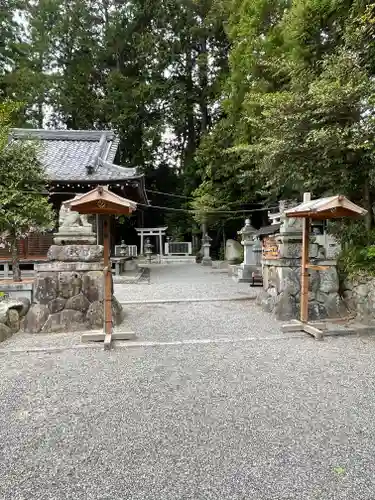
[78, 155]
[265, 230]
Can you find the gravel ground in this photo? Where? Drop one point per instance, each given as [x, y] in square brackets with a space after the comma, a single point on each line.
[207, 320]
[172, 322]
[179, 321]
[183, 281]
[268, 420]
[251, 414]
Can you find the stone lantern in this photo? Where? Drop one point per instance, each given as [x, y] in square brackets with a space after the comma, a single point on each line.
[206, 245]
[123, 249]
[148, 250]
[249, 263]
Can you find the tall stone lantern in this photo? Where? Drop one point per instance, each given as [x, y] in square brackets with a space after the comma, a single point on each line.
[206, 245]
[248, 265]
[148, 250]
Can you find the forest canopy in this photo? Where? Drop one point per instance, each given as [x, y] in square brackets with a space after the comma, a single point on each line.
[230, 103]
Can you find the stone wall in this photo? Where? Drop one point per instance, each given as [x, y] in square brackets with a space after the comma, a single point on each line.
[359, 297]
[281, 292]
[68, 291]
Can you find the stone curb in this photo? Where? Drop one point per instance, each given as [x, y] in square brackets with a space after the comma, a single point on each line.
[176, 301]
[133, 344]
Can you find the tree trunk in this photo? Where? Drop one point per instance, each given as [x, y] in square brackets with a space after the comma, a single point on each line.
[15, 262]
[203, 83]
[190, 119]
[368, 202]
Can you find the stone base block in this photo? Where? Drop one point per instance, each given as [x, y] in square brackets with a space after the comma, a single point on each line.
[244, 274]
[75, 253]
[82, 236]
[130, 265]
[233, 270]
[207, 261]
[220, 264]
[68, 296]
[18, 290]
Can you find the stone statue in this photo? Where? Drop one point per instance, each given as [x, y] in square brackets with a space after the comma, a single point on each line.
[70, 219]
[233, 251]
[74, 228]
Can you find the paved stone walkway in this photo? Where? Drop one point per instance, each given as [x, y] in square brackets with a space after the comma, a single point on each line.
[212, 403]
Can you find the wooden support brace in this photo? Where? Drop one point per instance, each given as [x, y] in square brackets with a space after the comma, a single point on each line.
[293, 326]
[316, 267]
[312, 330]
[101, 336]
[107, 341]
[315, 330]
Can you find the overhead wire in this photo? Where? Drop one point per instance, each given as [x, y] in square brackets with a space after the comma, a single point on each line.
[172, 195]
[172, 209]
[211, 211]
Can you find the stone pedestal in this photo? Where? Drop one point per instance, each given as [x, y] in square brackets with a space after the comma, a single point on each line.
[75, 236]
[206, 245]
[282, 277]
[282, 290]
[68, 291]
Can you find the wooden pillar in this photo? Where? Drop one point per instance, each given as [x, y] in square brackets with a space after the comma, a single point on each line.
[304, 265]
[160, 243]
[107, 278]
[141, 249]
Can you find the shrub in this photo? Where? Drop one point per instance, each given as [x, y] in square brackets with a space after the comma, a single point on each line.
[355, 260]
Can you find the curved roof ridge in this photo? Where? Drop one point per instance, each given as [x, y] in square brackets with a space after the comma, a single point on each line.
[128, 171]
[62, 134]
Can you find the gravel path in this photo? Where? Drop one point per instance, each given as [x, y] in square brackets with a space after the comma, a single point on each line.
[248, 413]
[269, 420]
[183, 281]
[211, 320]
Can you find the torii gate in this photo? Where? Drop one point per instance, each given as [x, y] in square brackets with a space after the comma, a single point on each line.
[151, 231]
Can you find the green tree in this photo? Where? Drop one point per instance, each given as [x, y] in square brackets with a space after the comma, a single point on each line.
[23, 206]
[298, 108]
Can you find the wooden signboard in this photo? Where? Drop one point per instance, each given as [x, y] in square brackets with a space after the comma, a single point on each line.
[270, 249]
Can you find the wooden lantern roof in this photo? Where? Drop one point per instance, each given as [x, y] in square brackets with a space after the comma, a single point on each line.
[332, 207]
[102, 201]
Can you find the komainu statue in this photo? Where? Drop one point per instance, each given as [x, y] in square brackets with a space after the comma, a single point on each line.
[74, 228]
[69, 218]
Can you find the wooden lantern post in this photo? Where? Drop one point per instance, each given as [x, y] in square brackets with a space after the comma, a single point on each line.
[101, 201]
[333, 207]
[107, 278]
[305, 260]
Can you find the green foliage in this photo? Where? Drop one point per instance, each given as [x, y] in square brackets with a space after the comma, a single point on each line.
[233, 102]
[355, 261]
[351, 232]
[23, 206]
[153, 70]
[298, 106]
